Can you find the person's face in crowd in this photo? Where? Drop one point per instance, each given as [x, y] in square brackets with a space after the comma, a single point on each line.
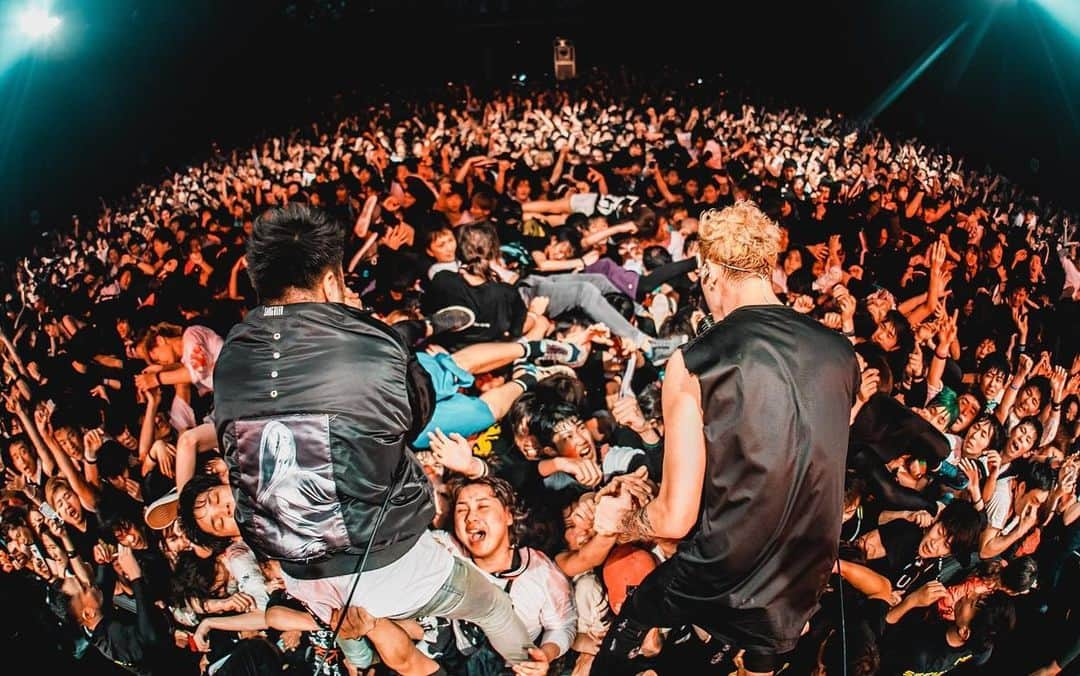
[969, 409]
[935, 543]
[52, 330]
[1022, 497]
[125, 280]
[1018, 298]
[443, 247]
[671, 177]
[53, 550]
[23, 459]
[21, 536]
[481, 522]
[572, 439]
[709, 194]
[789, 174]
[123, 328]
[176, 540]
[113, 256]
[757, 167]
[130, 536]
[885, 336]
[1072, 412]
[85, 601]
[528, 444]
[522, 190]
[162, 352]
[6, 566]
[1022, 439]
[995, 254]
[454, 203]
[214, 512]
[70, 441]
[578, 530]
[160, 248]
[1036, 267]
[67, 505]
[793, 262]
[992, 384]
[986, 346]
[558, 251]
[36, 520]
[248, 227]
[692, 188]
[317, 201]
[976, 440]
[1028, 402]
[971, 258]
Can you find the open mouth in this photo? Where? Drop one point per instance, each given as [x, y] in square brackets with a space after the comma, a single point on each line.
[475, 535]
[72, 513]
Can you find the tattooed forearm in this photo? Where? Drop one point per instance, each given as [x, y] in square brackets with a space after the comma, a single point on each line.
[636, 526]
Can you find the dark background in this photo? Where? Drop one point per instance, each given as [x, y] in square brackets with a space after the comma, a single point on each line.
[129, 87]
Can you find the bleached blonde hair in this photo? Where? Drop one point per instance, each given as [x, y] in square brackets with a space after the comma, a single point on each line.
[740, 239]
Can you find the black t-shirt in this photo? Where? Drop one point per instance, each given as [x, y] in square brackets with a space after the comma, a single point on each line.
[919, 648]
[500, 310]
[902, 563]
[84, 541]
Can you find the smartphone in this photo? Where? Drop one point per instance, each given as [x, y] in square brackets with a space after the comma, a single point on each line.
[49, 513]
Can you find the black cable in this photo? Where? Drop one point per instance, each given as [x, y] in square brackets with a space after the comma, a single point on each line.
[843, 621]
[357, 572]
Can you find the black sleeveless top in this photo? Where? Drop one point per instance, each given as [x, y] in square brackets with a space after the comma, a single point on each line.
[776, 392]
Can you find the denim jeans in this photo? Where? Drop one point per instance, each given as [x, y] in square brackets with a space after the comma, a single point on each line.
[468, 595]
[585, 291]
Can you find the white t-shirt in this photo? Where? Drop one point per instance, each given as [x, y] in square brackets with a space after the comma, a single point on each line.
[201, 349]
[999, 507]
[541, 595]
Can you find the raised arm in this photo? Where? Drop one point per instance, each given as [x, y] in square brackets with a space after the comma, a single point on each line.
[673, 512]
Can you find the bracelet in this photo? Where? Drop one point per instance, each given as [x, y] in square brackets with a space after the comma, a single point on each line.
[1015, 388]
[941, 356]
[73, 555]
[1055, 406]
[89, 460]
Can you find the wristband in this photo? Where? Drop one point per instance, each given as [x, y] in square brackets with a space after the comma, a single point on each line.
[89, 461]
[941, 356]
[1055, 407]
[73, 555]
[1015, 388]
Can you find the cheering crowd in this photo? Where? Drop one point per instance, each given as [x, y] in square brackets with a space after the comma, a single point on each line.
[539, 250]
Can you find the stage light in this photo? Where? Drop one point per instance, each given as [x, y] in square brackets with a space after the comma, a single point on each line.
[37, 23]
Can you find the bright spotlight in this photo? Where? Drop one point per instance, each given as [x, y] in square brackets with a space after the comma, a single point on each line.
[37, 23]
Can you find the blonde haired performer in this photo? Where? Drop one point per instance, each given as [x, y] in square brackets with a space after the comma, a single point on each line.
[757, 413]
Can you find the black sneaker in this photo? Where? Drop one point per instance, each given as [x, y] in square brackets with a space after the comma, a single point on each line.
[451, 320]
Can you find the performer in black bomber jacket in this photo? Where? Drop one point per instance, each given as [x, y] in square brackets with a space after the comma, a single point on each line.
[314, 403]
[757, 412]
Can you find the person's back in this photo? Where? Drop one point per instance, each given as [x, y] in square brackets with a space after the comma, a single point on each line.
[776, 392]
[331, 386]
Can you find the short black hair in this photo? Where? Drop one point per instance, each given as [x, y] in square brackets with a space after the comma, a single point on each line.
[1020, 576]
[112, 459]
[996, 615]
[1037, 476]
[291, 248]
[963, 524]
[193, 490]
[547, 416]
